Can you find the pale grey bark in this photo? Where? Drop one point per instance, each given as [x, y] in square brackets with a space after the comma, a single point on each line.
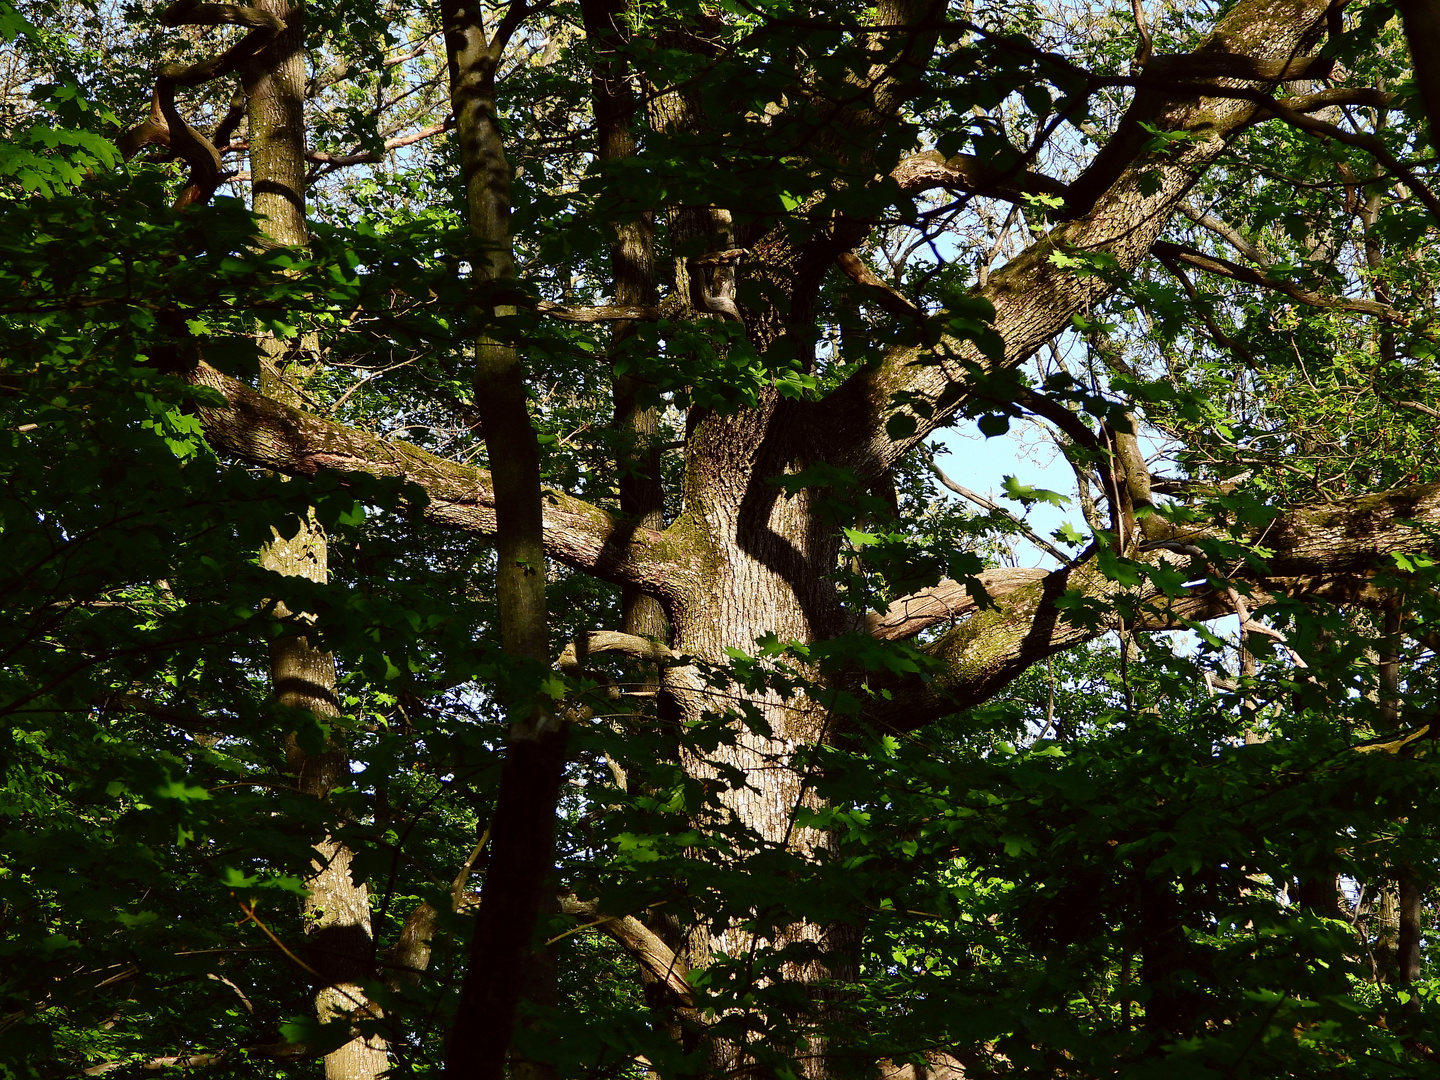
[337, 909]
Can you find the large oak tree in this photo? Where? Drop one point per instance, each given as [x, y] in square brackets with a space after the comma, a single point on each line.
[749, 271]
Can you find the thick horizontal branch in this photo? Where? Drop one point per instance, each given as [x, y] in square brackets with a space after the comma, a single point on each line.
[1220, 65]
[931, 171]
[613, 641]
[949, 601]
[261, 431]
[600, 313]
[1367, 96]
[1360, 535]
[1328, 552]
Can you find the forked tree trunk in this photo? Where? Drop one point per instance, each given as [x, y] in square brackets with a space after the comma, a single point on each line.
[743, 561]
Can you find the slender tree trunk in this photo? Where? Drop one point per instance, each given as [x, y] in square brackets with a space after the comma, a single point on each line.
[522, 846]
[637, 426]
[632, 264]
[337, 911]
[1387, 934]
[1407, 944]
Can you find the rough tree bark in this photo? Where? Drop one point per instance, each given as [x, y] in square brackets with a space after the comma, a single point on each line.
[337, 910]
[741, 561]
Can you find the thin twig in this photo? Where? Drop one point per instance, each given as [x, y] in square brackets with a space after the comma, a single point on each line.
[996, 508]
[250, 916]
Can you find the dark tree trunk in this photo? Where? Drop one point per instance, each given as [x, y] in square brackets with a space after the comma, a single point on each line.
[522, 846]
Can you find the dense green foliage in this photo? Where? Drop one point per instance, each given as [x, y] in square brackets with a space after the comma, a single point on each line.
[1181, 853]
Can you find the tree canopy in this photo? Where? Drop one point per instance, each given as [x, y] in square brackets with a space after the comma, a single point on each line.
[494, 586]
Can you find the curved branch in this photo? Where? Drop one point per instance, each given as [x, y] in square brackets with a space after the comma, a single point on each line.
[677, 675]
[886, 296]
[165, 126]
[1213, 264]
[1325, 552]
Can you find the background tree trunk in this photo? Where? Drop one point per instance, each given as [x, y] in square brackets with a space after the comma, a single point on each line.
[337, 911]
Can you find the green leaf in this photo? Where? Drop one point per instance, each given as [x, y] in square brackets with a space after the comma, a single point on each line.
[994, 424]
[900, 426]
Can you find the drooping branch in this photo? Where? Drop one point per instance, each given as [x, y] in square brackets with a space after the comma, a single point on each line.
[263, 432]
[887, 297]
[1167, 252]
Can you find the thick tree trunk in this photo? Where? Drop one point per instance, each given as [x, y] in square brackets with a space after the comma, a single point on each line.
[337, 911]
[769, 566]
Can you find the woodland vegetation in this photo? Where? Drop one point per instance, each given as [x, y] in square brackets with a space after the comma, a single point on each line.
[481, 597]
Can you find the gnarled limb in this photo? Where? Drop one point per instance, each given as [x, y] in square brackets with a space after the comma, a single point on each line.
[165, 126]
[1327, 552]
[261, 431]
[1119, 207]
